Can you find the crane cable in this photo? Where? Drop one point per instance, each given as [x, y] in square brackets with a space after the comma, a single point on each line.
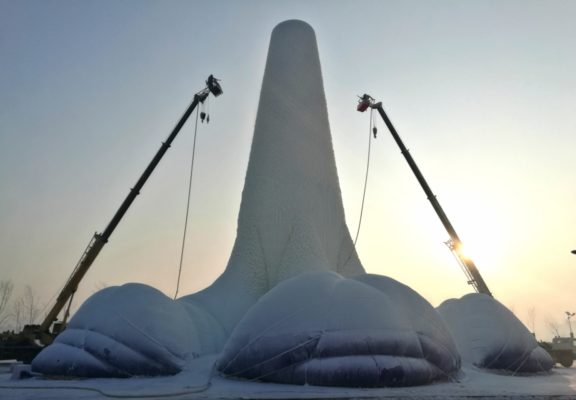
[187, 207]
[372, 130]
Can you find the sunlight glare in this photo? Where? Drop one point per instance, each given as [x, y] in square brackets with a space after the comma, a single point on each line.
[465, 251]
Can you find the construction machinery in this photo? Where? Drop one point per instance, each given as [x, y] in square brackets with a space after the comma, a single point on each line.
[454, 243]
[562, 349]
[41, 333]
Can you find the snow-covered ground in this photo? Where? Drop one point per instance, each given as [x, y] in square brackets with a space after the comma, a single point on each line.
[200, 381]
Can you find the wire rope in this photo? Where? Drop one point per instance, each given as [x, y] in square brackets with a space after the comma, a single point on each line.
[366, 179]
[187, 207]
[372, 121]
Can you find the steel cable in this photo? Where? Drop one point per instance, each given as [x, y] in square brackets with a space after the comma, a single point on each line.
[187, 207]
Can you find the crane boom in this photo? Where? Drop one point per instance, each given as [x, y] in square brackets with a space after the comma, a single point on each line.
[99, 240]
[455, 245]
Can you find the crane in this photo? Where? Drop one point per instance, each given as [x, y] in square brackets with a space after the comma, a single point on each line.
[454, 243]
[100, 239]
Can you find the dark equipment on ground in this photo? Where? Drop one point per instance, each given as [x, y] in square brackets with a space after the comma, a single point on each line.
[454, 244]
[20, 345]
[562, 349]
[41, 333]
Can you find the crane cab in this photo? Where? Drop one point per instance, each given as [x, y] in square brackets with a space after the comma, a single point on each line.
[214, 86]
[364, 102]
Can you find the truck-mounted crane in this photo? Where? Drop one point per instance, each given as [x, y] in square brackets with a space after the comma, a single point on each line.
[42, 332]
[454, 243]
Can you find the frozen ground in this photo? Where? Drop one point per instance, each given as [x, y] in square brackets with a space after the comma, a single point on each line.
[205, 383]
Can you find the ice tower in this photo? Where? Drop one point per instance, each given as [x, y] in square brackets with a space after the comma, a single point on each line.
[294, 304]
[291, 221]
[291, 217]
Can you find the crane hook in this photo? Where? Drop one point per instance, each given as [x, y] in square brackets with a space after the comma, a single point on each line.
[202, 116]
[375, 131]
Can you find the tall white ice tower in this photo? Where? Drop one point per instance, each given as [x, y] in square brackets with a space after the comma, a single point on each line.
[291, 217]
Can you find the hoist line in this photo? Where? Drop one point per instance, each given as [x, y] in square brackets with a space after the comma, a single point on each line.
[187, 206]
[365, 185]
[366, 179]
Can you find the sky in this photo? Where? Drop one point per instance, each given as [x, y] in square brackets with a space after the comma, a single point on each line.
[483, 94]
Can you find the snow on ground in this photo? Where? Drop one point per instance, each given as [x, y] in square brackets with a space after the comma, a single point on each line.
[200, 381]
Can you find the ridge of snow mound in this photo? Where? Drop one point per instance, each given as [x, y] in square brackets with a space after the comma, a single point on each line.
[491, 336]
[123, 331]
[321, 329]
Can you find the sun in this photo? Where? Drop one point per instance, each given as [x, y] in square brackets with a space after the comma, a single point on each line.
[465, 251]
[482, 256]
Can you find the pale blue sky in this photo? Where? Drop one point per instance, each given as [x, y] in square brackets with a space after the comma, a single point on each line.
[482, 92]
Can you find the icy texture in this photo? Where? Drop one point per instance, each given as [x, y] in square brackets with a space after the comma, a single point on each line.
[490, 336]
[321, 329]
[123, 331]
[291, 217]
[291, 221]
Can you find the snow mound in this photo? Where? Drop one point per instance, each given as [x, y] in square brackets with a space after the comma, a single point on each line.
[321, 329]
[490, 336]
[123, 331]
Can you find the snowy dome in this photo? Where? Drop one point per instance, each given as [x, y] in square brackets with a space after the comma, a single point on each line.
[490, 336]
[321, 329]
[123, 331]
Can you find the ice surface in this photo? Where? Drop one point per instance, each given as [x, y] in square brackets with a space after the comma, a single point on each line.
[321, 329]
[291, 221]
[490, 336]
[291, 217]
[197, 382]
[123, 331]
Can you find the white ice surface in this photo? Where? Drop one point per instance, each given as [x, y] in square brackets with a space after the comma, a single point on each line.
[320, 329]
[473, 382]
[491, 336]
[130, 330]
[291, 217]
